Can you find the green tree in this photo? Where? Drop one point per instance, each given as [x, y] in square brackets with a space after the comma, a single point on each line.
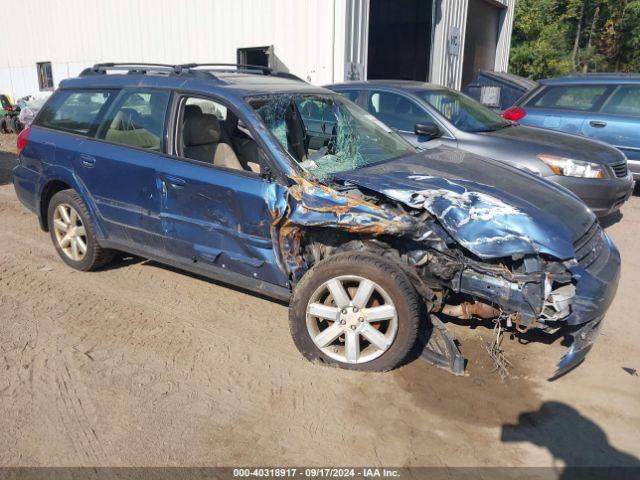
[557, 37]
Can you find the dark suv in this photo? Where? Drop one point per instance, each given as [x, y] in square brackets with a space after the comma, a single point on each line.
[215, 171]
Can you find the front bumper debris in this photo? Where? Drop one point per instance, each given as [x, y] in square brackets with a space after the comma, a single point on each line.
[441, 349]
[583, 338]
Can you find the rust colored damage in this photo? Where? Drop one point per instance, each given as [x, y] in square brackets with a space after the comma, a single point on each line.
[314, 205]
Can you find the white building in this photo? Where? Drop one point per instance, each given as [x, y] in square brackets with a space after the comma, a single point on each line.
[322, 41]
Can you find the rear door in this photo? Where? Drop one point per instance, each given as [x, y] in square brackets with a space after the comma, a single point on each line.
[117, 167]
[564, 107]
[618, 121]
[216, 217]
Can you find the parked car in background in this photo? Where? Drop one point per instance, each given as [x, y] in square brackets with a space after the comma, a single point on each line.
[604, 107]
[497, 90]
[430, 115]
[363, 234]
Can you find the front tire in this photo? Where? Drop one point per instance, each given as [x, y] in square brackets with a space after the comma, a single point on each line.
[356, 311]
[72, 233]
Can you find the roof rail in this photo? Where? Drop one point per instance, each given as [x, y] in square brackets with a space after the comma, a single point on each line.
[242, 67]
[185, 68]
[235, 66]
[137, 67]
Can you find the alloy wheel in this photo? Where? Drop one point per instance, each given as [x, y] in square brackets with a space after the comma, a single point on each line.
[70, 232]
[352, 319]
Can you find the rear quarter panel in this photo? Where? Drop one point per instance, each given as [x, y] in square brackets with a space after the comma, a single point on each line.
[48, 157]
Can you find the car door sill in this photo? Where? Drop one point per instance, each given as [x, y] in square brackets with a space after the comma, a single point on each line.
[211, 271]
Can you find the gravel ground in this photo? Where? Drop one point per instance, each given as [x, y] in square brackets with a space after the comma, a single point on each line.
[141, 365]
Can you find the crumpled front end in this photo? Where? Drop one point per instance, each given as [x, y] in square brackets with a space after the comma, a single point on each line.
[532, 289]
[596, 271]
[536, 292]
[469, 254]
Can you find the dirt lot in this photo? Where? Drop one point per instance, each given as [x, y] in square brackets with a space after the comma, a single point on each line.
[142, 365]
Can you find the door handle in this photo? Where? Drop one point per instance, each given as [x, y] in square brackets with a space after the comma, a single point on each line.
[175, 182]
[597, 124]
[87, 161]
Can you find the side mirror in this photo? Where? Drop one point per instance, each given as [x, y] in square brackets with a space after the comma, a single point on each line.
[430, 130]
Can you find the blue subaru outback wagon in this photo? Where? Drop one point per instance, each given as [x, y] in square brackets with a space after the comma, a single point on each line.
[212, 169]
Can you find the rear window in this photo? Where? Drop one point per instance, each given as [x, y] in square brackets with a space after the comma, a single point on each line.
[74, 111]
[625, 101]
[570, 97]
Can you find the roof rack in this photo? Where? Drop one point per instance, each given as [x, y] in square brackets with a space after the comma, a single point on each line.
[233, 66]
[138, 68]
[185, 68]
[242, 67]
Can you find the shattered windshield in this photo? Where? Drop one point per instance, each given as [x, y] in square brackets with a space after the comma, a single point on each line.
[327, 134]
[465, 113]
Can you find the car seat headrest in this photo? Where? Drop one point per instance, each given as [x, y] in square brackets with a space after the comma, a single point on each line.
[201, 130]
[192, 111]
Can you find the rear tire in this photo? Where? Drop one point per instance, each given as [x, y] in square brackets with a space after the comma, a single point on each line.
[372, 326]
[72, 232]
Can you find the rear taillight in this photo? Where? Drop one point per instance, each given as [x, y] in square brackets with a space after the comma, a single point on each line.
[23, 139]
[515, 114]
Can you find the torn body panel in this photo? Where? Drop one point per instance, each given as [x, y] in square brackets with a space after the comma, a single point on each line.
[464, 228]
[312, 205]
[526, 287]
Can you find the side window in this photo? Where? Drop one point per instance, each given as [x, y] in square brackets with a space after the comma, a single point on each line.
[625, 101]
[572, 97]
[209, 107]
[74, 111]
[351, 95]
[395, 110]
[211, 133]
[136, 119]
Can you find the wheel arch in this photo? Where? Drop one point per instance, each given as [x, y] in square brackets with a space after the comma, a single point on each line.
[321, 243]
[48, 191]
[57, 184]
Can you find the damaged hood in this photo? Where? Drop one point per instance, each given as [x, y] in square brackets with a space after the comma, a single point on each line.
[491, 209]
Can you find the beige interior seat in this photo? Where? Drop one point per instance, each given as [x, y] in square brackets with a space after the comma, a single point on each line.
[201, 135]
[125, 129]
